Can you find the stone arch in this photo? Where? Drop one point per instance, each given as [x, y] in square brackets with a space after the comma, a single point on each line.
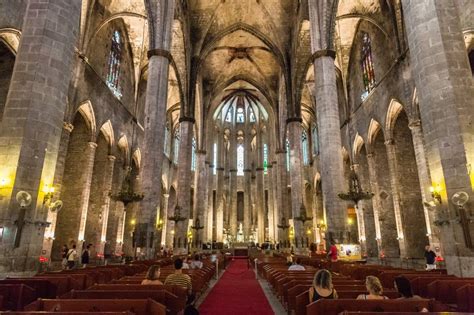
[87, 112]
[393, 111]
[7, 63]
[122, 144]
[108, 131]
[374, 128]
[357, 146]
[137, 158]
[11, 38]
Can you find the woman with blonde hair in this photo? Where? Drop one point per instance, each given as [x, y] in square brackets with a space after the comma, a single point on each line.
[374, 287]
[152, 275]
[322, 287]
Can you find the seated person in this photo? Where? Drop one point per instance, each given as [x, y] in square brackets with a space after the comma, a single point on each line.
[196, 263]
[178, 277]
[152, 275]
[374, 287]
[322, 287]
[185, 263]
[296, 266]
[403, 286]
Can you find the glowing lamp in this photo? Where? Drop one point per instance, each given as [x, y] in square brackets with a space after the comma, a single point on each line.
[350, 221]
[132, 222]
[436, 192]
[4, 182]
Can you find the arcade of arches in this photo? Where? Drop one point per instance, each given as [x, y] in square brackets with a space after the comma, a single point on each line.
[187, 123]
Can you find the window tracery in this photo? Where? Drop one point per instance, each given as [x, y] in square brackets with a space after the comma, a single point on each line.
[113, 65]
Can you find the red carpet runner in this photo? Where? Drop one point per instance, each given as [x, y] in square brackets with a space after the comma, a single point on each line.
[237, 292]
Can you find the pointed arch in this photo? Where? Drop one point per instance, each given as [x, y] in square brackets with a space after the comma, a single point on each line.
[108, 132]
[87, 112]
[374, 128]
[137, 158]
[11, 37]
[358, 143]
[122, 144]
[393, 111]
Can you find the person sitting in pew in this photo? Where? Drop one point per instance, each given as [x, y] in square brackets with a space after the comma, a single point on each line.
[374, 287]
[196, 263]
[178, 277]
[322, 287]
[296, 265]
[152, 276]
[185, 263]
[403, 286]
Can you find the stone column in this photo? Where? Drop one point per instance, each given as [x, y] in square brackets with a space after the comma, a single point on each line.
[260, 193]
[233, 185]
[332, 174]
[282, 192]
[425, 181]
[249, 181]
[393, 171]
[184, 182]
[30, 130]
[220, 189]
[200, 196]
[275, 200]
[155, 106]
[385, 237]
[445, 90]
[360, 218]
[271, 207]
[210, 206]
[164, 212]
[296, 178]
[109, 175]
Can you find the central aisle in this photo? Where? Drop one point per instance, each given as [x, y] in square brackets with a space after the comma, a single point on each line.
[237, 292]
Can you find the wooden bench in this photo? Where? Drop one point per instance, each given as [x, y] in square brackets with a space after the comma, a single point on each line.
[465, 298]
[173, 304]
[137, 307]
[43, 288]
[334, 307]
[180, 292]
[445, 290]
[419, 283]
[16, 296]
[68, 313]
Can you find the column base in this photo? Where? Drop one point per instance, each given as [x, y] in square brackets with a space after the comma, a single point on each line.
[461, 266]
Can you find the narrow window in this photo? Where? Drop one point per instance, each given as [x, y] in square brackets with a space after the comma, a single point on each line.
[240, 115]
[367, 65]
[265, 158]
[167, 146]
[115, 59]
[315, 140]
[193, 155]
[304, 146]
[287, 155]
[176, 146]
[214, 169]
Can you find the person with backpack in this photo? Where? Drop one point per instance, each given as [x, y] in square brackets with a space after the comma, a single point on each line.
[64, 252]
[71, 257]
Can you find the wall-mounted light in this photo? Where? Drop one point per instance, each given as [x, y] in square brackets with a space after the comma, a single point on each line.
[132, 222]
[48, 192]
[4, 182]
[350, 221]
[436, 193]
[308, 231]
[400, 237]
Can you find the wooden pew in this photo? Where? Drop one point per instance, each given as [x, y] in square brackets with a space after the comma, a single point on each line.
[387, 277]
[465, 298]
[419, 283]
[445, 290]
[173, 304]
[180, 292]
[85, 280]
[44, 288]
[404, 313]
[16, 296]
[137, 307]
[334, 307]
[66, 313]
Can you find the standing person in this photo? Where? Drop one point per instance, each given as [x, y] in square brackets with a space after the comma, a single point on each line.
[332, 254]
[71, 257]
[64, 252]
[85, 256]
[430, 257]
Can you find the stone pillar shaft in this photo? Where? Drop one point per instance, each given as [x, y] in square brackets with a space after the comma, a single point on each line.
[210, 206]
[220, 189]
[282, 193]
[184, 182]
[332, 174]
[271, 205]
[164, 211]
[394, 183]
[296, 178]
[260, 196]
[109, 175]
[445, 90]
[200, 196]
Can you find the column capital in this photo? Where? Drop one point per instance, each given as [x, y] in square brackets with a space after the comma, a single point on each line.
[219, 168]
[274, 162]
[247, 170]
[414, 124]
[323, 53]
[232, 170]
[161, 53]
[389, 141]
[201, 152]
[92, 145]
[370, 155]
[207, 162]
[111, 157]
[166, 196]
[270, 166]
[280, 151]
[188, 119]
[294, 119]
[68, 126]
[259, 169]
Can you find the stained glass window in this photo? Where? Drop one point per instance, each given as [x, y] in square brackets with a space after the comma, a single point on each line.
[193, 155]
[176, 146]
[304, 147]
[265, 158]
[315, 140]
[113, 70]
[252, 116]
[214, 169]
[287, 143]
[228, 117]
[240, 160]
[240, 115]
[366, 62]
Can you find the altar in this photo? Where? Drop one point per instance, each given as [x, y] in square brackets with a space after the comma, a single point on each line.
[240, 249]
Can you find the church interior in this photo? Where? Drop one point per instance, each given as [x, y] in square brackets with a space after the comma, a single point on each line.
[244, 137]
